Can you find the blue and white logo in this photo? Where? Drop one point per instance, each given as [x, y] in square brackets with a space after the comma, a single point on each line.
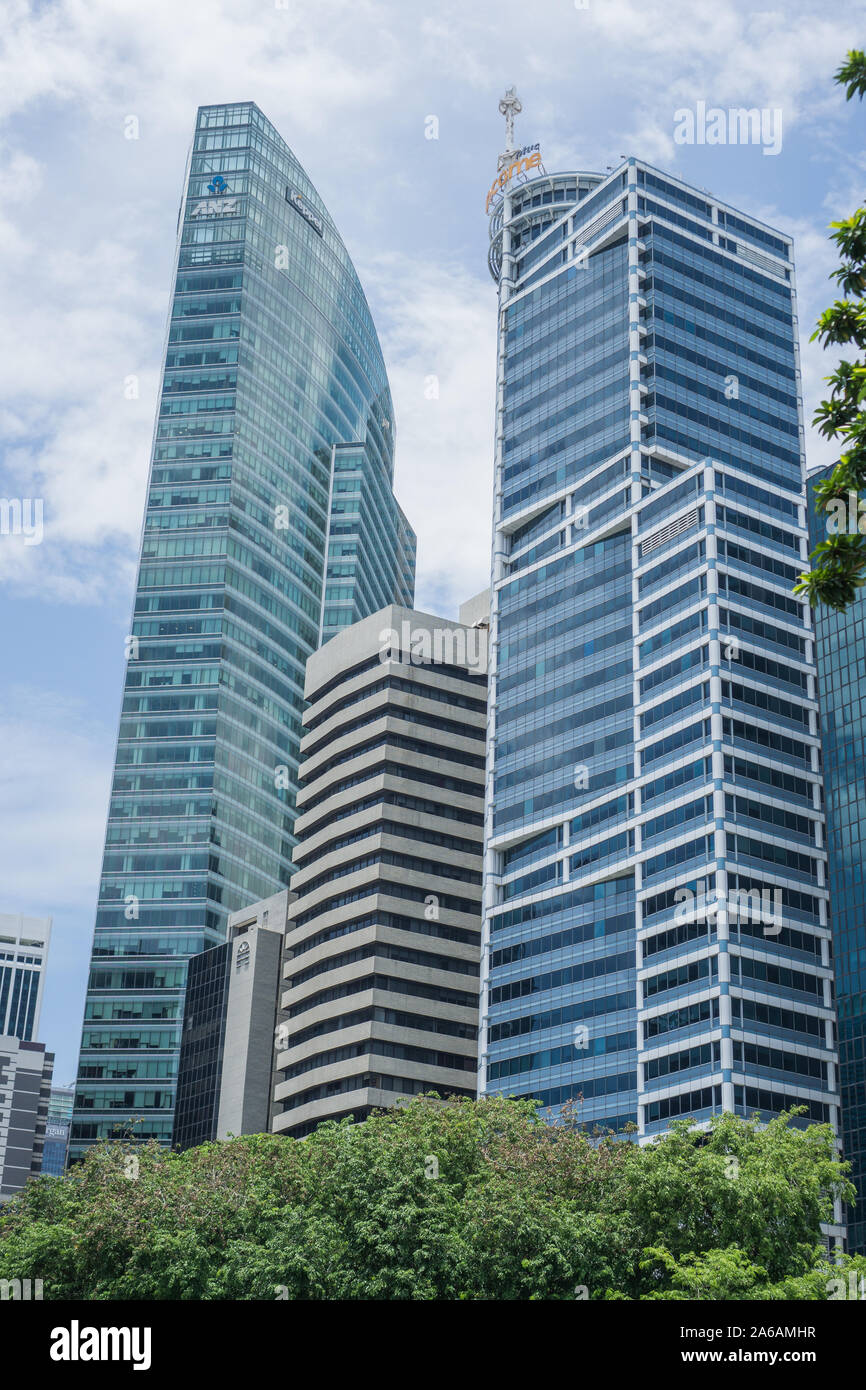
[217, 205]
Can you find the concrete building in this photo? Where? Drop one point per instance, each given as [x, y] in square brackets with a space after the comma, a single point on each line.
[23, 951]
[25, 1066]
[225, 1075]
[25, 1087]
[656, 932]
[380, 990]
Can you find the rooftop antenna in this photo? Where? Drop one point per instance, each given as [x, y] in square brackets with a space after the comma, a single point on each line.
[509, 107]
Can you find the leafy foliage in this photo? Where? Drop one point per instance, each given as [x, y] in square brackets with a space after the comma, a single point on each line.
[466, 1200]
[839, 562]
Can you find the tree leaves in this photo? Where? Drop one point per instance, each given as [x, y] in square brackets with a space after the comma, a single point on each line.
[513, 1208]
[838, 565]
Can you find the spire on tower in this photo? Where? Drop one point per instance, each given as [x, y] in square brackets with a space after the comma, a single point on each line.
[509, 107]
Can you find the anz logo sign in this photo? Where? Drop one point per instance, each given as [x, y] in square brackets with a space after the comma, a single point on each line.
[297, 202]
[218, 205]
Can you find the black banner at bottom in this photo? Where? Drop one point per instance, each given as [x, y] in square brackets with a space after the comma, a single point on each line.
[178, 1340]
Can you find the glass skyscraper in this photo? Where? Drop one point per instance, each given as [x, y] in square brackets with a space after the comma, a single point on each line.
[656, 933]
[60, 1104]
[270, 524]
[841, 640]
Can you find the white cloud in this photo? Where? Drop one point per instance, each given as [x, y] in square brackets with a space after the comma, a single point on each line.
[55, 779]
[20, 179]
[439, 342]
[54, 784]
[85, 215]
[77, 433]
[150, 58]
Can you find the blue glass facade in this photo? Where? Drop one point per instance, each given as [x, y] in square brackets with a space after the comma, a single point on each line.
[841, 641]
[20, 972]
[253, 553]
[371, 547]
[57, 1130]
[200, 1065]
[656, 935]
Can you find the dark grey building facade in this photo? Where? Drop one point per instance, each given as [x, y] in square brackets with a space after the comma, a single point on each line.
[25, 1087]
[225, 1074]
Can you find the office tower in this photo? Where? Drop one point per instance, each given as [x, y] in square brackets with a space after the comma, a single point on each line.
[656, 936]
[23, 949]
[841, 664]
[225, 1073]
[25, 1066]
[57, 1121]
[270, 522]
[25, 1085]
[380, 989]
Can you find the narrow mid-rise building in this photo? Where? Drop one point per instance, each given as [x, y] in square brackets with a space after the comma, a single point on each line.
[25, 1086]
[380, 989]
[225, 1073]
[26, 1067]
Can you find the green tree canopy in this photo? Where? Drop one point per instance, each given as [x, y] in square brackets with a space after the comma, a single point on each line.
[466, 1200]
[839, 562]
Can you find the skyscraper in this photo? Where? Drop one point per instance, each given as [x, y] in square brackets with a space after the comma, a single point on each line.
[656, 933]
[380, 981]
[23, 949]
[225, 1078]
[841, 644]
[25, 1066]
[25, 1086]
[60, 1102]
[270, 523]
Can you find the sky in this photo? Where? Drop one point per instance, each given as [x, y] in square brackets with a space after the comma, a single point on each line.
[87, 229]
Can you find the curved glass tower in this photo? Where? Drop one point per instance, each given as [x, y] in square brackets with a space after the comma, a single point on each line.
[271, 523]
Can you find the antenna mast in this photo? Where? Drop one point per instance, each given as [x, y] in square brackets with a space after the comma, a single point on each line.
[509, 107]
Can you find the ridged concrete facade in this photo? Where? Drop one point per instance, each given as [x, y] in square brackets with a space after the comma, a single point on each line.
[380, 996]
[25, 1087]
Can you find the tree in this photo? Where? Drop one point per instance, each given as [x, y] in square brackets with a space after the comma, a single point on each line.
[839, 562]
[465, 1200]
